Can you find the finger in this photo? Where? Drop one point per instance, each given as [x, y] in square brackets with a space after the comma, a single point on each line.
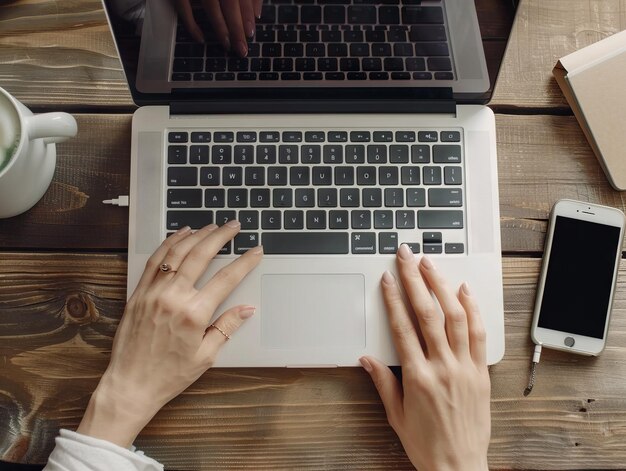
[388, 388]
[247, 16]
[226, 280]
[453, 311]
[197, 258]
[402, 329]
[227, 324]
[183, 7]
[156, 259]
[214, 12]
[232, 15]
[258, 8]
[430, 322]
[477, 334]
[177, 253]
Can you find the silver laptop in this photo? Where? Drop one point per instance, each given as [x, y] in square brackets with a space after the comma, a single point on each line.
[329, 155]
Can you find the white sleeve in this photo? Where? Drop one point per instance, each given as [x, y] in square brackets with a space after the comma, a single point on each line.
[77, 452]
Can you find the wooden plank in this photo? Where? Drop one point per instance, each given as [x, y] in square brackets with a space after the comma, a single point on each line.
[545, 31]
[62, 56]
[59, 312]
[541, 159]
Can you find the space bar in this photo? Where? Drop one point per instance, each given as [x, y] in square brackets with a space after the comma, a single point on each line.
[305, 242]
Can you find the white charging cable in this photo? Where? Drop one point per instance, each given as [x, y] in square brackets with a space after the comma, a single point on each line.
[121, 200]
[533, 368]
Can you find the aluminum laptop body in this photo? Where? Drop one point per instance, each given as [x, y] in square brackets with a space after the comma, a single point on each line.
[313, 308]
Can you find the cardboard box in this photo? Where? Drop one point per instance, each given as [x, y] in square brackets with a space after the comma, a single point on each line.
[593, 80]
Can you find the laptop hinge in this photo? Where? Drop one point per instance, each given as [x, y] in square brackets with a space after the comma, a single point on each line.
[378, 100]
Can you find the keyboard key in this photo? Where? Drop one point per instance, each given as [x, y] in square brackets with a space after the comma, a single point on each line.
[349, 197]
[431, 49]
[246, 136]
[184, 198]
[427, 136]
[387, 242]
[237, 198]
[244, 155]
[202, 77]
[269, 136]
[361, 219]
[305, 198]
[383, 219]
[260, 198]
[223, 136]
[224, 76]
[415, 63]
[349, 65]
[221, 154]
[405, 219]
[420, 154]
[432, 248]
[337, 136]
[446, 136]
[332, 37]
[287, 14]
[360, 136]
[288, 154]
[249, 220]
[444, 76]
[415, 197]
[427, 33]
[333, 154]
[311, 154]
[357, 76]
[200, 137]
[432, 238]
[410, 175]
[270, 219]
[440, 219]
[314, 136]
[399, 154]
[322, 176]
[393, 64]
[277, 176]
[245, 241]
[292, 136]
[439, 64]
[366, 175]
[215, 198]
[210, 176]
[413, 15]
[316, 220]
[182, 176]
[363, 242]
[372, 197]
[255, 176]
[376, 154]
[394, 197]
[231, 176]
[194, 219]
[181, 77]
[177, 136]
[327, 197]
[405, 136]
[375, 36]
[199, 154]
[414, 246]
[383, 136]
[238, 64]
[454, 248]
[388, 15]
[372, 64]
[312, 76]
[361, 15]
[265, 154]
[432, 175]
[271, 50]
[422, 76]
[452, 175]
[388, 176]
[177, 155]
[293, 219]
[338, 219]
[282, 64]
[282, 198]
[403, 50]
[400, 76]
[446, 154]
[344, 176]
[442, 197]
[337, 50]
[305, 243]
[263, 64]
[311, 14]
[355, 154]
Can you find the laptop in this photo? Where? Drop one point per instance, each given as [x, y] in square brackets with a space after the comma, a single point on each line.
[351, 127]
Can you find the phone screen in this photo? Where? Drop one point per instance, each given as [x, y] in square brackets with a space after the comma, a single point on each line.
[579, 277]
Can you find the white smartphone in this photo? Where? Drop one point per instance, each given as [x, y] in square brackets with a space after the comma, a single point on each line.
[575, 292]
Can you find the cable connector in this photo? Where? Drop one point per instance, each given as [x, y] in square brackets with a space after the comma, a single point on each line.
[533, 368]
[121, 200]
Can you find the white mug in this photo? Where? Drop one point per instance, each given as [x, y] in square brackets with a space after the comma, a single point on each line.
[27, 153]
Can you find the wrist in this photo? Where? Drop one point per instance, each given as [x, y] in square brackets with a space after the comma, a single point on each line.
[113, 416]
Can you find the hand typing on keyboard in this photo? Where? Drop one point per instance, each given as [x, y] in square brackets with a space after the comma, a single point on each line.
[440, 411]
[232, 21]
[164, 342]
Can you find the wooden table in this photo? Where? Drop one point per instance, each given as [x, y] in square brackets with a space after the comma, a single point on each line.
[63, 273]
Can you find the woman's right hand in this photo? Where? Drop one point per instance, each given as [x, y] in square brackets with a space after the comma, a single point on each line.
[441, 411]
[233, 21]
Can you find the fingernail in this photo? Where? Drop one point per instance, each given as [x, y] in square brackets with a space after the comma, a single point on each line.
[250, 29]
[388, 277]
[258, 250]
[405, 252]
[247, 312]
[465, 289]
[233, 223]
[366, 364]
[427, 263]
[242, 48]
[183, 230]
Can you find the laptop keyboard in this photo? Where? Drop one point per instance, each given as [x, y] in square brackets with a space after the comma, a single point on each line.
[336, 40]
[321, 191]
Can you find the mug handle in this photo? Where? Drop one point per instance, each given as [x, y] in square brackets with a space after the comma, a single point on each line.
[53, 127]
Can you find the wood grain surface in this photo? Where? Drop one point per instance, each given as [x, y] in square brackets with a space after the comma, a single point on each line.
[541, 159]
[284, 418]
[544, 32]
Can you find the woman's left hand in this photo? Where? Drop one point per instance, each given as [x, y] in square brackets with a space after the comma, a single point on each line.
[164, 343]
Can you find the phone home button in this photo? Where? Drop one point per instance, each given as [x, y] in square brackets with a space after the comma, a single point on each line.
[569, 341]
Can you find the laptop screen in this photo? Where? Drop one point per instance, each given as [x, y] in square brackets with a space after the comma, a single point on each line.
[179, 51]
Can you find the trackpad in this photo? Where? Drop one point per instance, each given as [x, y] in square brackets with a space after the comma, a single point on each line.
[303, 311]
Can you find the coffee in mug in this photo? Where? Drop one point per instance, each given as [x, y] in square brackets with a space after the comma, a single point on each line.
[27, 153]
